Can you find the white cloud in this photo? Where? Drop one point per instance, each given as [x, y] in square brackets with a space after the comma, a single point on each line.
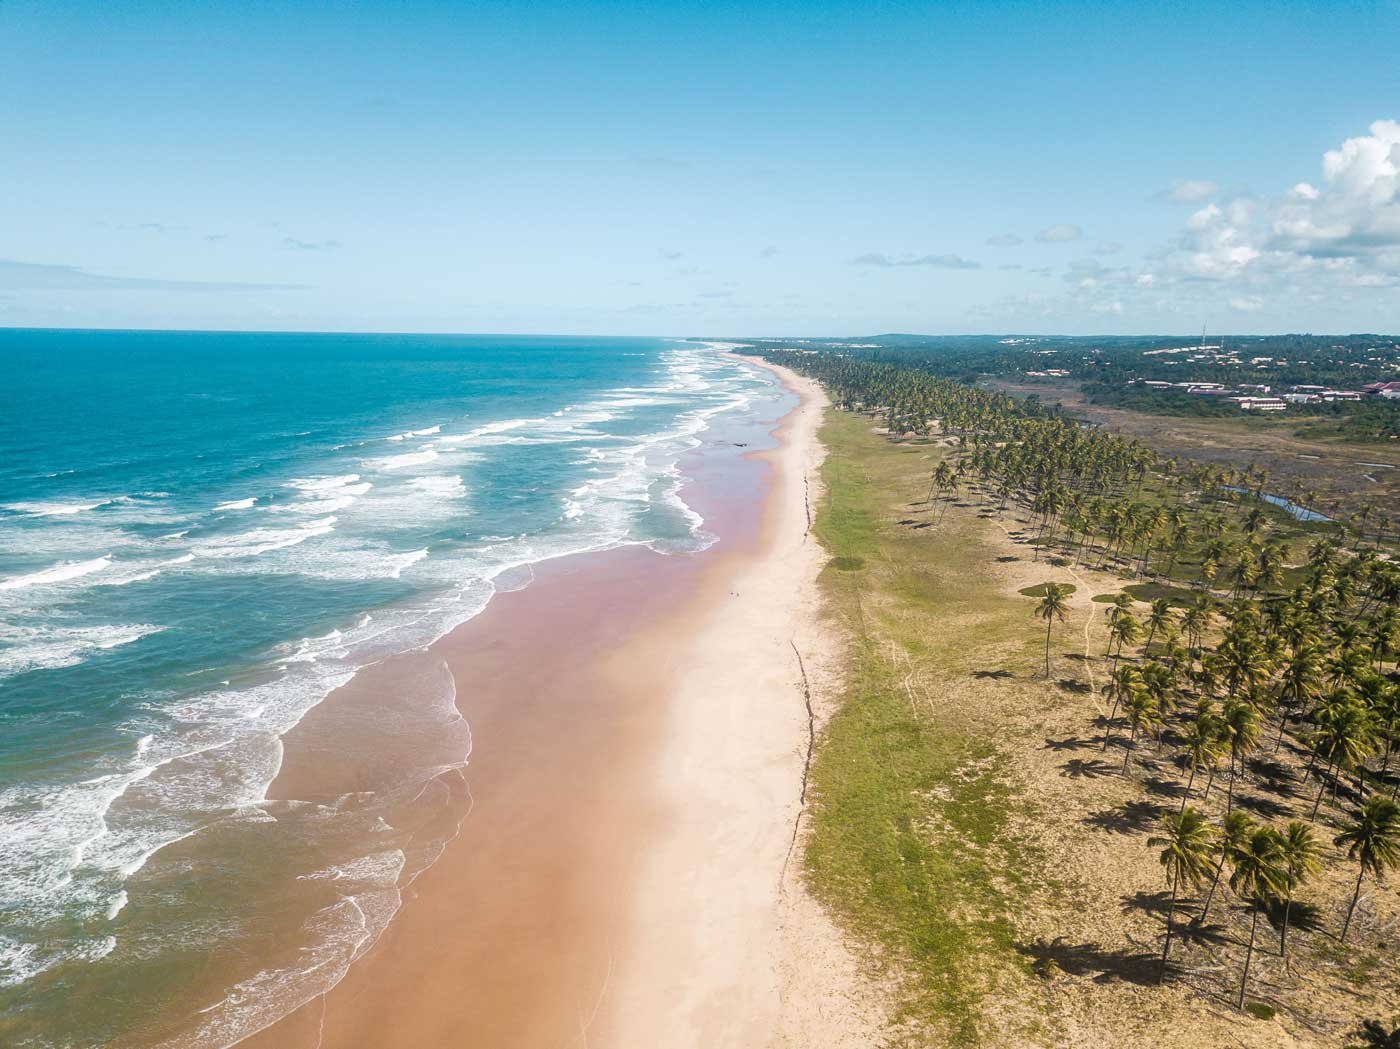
[1188, 191]
[947, 262]
[1334, 240]
[1356, 212]
[1059, 234]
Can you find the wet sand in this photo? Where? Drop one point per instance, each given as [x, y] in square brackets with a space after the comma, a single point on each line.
[638, 737]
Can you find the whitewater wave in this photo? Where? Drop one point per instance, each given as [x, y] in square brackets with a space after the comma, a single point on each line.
[57, 574]
[39, 508]
[407, 434]
[236, 504]
[26, 648]
[263, 540]
[399, 462]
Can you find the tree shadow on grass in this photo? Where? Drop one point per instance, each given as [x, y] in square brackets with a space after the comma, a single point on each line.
[1186, 929]
[1261, 805]
[1068, 743]
[1007, 558]
[1089, 960]
[1069, 684]
[1274, 777]
[995, 674]
[1153, 903]
[1304, 917]
[1132, 818]
[1093, 768]
[1165, 788]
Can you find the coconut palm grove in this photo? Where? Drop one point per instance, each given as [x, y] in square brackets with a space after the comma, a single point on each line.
[1251, 677]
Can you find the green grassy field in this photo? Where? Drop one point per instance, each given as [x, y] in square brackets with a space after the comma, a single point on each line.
[912, 838]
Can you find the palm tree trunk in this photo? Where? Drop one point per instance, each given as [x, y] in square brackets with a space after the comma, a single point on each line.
[1283, 934]
[1186, 797]
[1128, 753]
[1205, 909]
[1356, 895]
[1167, 945]
[1047, 646]
[1321, 790]
[1249, 954]
[1312, 760]
[1108, 728]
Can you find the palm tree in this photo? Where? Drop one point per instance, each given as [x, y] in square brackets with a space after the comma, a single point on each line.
[1346, 739]
[1124, 629]
[1301, 859]
[1188, 846]
[1301, 681]
[1237, 827]
[1123, 683]
[1053, 605]
[1373, 840]
[1203, 746]
[1259, 876]
[1195, 619]
[1241, 724]
[1160, 616]
[1143, 716]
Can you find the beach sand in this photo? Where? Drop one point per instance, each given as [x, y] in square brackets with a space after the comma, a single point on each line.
[626, 874]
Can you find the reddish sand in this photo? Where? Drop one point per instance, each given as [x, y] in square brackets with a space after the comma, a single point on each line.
[638, 734]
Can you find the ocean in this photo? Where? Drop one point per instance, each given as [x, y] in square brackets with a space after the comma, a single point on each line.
[201, 536]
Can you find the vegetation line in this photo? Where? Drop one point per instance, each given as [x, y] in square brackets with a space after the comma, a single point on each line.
[807, 764]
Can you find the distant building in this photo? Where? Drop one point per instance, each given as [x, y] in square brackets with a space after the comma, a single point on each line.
[1261, 404]
[1388, 390]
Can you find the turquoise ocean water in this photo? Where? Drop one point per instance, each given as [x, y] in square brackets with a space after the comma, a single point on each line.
[201, 535]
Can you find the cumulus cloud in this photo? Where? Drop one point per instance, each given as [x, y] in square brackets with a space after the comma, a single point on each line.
[1188, 191]
[1107, 247]
[1355, 213]
[1334, 239]
[1060, 234]
[36, 276]
[1004, 240]
[947, 262]
[768, 252]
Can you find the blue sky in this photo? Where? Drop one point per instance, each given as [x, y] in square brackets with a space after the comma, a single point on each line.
[701, 168]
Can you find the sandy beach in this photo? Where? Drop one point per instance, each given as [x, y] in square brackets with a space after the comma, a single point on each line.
[626, 874]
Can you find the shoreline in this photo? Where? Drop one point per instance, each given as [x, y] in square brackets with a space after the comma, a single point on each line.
[596, 921]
